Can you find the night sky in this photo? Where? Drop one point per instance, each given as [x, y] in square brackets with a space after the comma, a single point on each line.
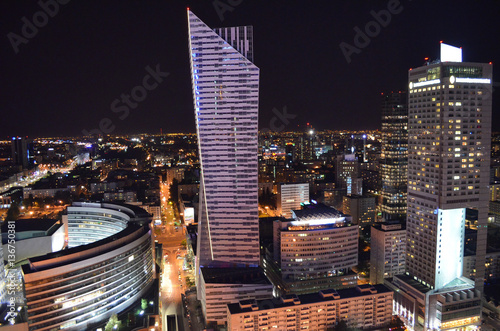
[65, 77]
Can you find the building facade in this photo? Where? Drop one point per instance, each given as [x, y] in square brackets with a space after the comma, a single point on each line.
[394, 155]
[81, 287]
[314, 251]
[226, 98]
[449, 137]
[387, 251]
[362, 307]
[222, 286]
[348, 174]
[290, 196]
[360, 208]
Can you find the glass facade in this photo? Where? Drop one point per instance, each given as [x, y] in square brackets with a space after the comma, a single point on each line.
[80, 287]
[226, 95]
[394, 156]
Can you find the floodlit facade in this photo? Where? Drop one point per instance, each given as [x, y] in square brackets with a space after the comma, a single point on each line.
[290, 196]
[314, 251]
[81, 287]
[394, 155]
[226, 95]
[387, 251]
[449, 133]
[363, 307]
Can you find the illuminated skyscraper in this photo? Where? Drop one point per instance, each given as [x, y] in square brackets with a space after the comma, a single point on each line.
[226, 99]
[394, 157]
[449, 133]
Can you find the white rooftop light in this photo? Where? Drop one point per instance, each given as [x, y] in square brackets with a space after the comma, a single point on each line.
[450, 53]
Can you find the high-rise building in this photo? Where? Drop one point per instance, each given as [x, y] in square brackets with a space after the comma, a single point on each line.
[291, 196]
[394, 156]
[387, 251]
[22, 151]
[315, 251]
[360, 208]
[226, 97]
[449, 133]
[348, 174]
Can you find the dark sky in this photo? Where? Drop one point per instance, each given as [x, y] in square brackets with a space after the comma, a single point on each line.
[64, 78]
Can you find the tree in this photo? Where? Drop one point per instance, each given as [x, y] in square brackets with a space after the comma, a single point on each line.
[184, 243]
[144, 304]
[113, 323]
[13, 212]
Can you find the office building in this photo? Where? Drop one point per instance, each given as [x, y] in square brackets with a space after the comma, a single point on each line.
[314, 251]
[387, 251]
[108, 267]
[348, 175]
[22, 152]
[226, 97]
[33, 237]
[449, 137]
[222, 286]
[361, 307]
[360, 208]
[394, 155]
[291, 196]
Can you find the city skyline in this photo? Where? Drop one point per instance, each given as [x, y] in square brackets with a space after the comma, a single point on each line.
[52, 76]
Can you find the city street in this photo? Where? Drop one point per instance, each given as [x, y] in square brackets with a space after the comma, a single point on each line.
[173, 279]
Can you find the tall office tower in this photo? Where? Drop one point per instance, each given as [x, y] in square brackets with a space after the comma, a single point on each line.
[394, 156]
[226, 96]
[22, 151]
[449, 132]
[387, 251]
[307, 143]
[291, 196]
[348, 174]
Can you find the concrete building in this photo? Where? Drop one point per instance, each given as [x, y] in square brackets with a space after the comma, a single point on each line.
[361, 307]
[34, 237]
[348, 174]
[314, 251]
[226, 127]
[360, 208]
[81, 287]
[394, 156]
[291, 196]
[124, 196]
[492, 266]
[221, 286]
[449, 137]
[387, 251]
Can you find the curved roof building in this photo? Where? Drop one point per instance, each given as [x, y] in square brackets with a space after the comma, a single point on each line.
[108, 266]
